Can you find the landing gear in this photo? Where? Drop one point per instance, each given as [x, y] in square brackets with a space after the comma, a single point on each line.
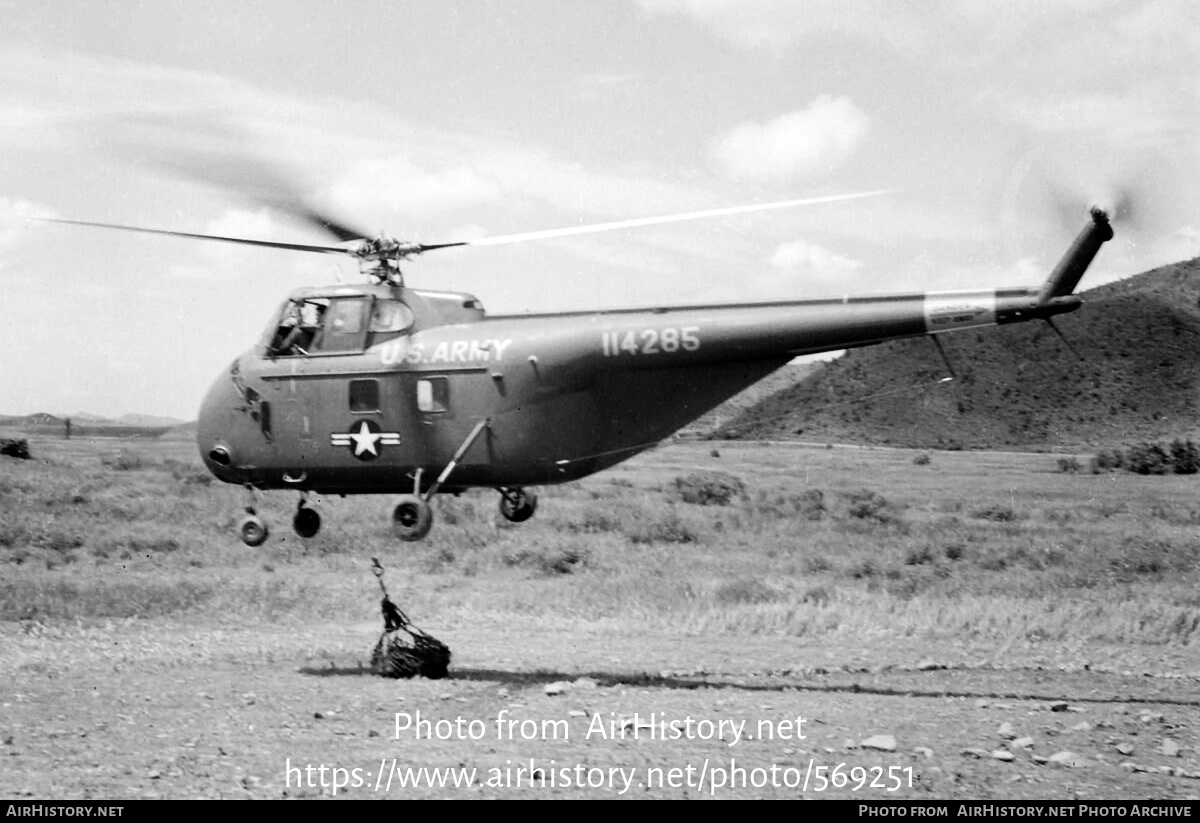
[412, 518]
[517, 505]
[252, 529]
[306, 522]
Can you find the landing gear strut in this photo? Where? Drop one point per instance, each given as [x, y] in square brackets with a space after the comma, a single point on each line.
[517, 505]
[412, 517]
[307, 522]
[252, 529]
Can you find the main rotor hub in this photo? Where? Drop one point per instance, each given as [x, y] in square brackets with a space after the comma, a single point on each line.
[380, 258]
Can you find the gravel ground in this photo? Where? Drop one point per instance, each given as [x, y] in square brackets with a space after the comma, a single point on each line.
[143, 709]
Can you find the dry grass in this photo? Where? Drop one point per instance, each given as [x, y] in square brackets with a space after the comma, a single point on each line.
[843, 542]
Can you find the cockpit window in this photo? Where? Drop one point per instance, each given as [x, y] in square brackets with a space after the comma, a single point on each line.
[298, 327]
[390, 315]
[343, 326]
[321, 325]
[389, 320]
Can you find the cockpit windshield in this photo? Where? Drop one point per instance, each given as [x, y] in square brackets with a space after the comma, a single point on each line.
[337, 325]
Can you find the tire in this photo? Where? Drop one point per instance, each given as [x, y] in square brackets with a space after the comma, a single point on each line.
[412, 518]
[307, 522]
[253, 530]
[518, 505]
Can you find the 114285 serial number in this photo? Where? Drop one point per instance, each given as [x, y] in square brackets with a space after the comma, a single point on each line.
[650, 341]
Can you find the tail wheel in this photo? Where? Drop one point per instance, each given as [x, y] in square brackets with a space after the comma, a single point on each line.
[517, 505]
[307, 522]
[412, 518]
[253, 530]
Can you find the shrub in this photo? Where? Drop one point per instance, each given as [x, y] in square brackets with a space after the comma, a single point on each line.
[669, 529]
[868, 505]
[1149, 458]
[807, 505]
[191, 475]
[123, 461]
[746, 591]
[598, 520]
[817, 595]
[997, 513]
[549, 560]
[1185, 457]
[918, 557]
[1068, 465]
[709, 488]
[1141, 557]
[816, 564]
[810, 504]
[15, 448]
[863, 569]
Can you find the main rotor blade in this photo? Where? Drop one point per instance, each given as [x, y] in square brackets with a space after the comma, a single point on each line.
[499, 240]
[213, 151]
[268, 243]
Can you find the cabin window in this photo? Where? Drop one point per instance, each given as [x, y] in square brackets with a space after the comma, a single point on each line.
[364, 396]
[433, 394]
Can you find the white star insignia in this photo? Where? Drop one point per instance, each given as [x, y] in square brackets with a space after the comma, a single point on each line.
[365, 440]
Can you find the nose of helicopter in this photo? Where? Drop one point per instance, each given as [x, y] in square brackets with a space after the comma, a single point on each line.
[217, 426]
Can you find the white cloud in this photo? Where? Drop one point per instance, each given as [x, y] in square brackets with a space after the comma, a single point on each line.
[1136, 118]
[215, 261]
[15, 218]
[779, 24]
[812, 140]
[603, 79]
[397, 185]
[800, 254]
[798, 269]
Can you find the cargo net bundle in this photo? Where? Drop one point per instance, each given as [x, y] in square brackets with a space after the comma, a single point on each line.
[403, 649]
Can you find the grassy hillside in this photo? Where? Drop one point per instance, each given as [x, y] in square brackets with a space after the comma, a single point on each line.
[1015, 386]
[812, 542]
[777, 381]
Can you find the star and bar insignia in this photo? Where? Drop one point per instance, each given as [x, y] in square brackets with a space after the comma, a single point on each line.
[365, 439]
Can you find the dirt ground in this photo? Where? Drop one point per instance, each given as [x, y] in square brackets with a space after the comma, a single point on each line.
[143, 709]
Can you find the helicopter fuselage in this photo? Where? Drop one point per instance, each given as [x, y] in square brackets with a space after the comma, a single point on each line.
[391, 383]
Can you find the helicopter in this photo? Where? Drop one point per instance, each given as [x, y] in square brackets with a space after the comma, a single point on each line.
[384, 389]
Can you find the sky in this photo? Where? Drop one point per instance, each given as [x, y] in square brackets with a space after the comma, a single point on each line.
[995, 125]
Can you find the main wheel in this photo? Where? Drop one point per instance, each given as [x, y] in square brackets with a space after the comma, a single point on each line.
[412, 518]
[253, 530]
[306, 522]
[517, 505]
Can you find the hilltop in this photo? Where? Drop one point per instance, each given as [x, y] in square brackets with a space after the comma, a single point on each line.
[84, 424]
[1016, 386]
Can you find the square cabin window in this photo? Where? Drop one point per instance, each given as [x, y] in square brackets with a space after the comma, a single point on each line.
[433, 394]
[364, 396]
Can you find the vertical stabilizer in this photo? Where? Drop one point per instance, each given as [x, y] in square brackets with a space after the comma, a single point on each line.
[1070, 269]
